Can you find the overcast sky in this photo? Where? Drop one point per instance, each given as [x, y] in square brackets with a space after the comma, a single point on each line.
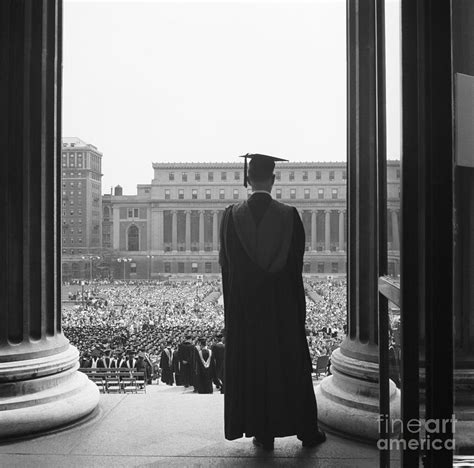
[189, 81]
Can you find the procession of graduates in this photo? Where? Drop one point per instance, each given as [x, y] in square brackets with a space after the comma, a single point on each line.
[194, 364]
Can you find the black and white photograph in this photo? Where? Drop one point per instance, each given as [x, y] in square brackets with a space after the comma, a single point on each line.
[237, 233]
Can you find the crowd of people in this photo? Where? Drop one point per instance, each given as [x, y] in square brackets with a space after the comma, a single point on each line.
[118, 320]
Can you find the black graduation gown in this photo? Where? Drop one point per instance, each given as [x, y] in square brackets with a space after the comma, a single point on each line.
[166, 365]
[204, 375]
[186, 356]
[268, 383]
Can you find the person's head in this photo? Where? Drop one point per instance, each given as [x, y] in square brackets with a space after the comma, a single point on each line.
[260, 174]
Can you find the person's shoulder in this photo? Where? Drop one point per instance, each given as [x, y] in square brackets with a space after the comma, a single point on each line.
[283, 207]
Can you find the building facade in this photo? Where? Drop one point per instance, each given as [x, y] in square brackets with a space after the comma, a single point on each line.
[81, 204]
[171, 226]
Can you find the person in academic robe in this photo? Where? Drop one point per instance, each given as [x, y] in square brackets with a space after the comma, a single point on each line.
[131, 361]
[204, 366]
[218, 351]
[166, 365]
[85, 361]
[268, 384]
[186, 359]
[105, 360]
[96, 358]
[177, 368]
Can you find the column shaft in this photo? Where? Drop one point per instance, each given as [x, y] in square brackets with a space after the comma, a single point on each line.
[174, 230]
[188, 231]
[327, 231]
[201, 230]
[313, 230]
[215, 233]
[341, 230]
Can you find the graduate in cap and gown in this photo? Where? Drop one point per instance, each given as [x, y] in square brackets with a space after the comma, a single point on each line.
[268, 383]
[166, 365]
[204, 368]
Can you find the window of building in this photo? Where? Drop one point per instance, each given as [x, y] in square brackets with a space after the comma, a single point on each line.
[334, 193]
[133, 239]
[180, 267]
[331, 175]
[133, 268]
[208, 194]
[334, 267]
[79, 240]
[171, 176]
[210, 176]
[184, 177]
[305, 175]
[398, 173]
[197, 176]
[194, 267]
[208, 267]
[181, 194]
[318, 175]
[223, 175]
[292, 175]
[344, 175]
[320, 193]
[221, 194]
[278, 175]
[194, 194]
[306, 193]
[167, 194]
[306, 268]
[167, 267]
[292, 193]
[130, 213]
[135, 212]
[236, 175]
[72, 212]
[236, 194]
[320, 267]
[278, 192]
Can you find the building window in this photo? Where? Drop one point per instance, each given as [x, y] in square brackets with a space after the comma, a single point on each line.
[197, 176]
[135, 213]
[278, 192]
[223, 175]
[398, 173]
[292, 193]
[167, 267]
[236, 175]
[133, 244]
[208, 267]
[334, 193]
[278, 175]
[171, 176]
[292, 175]
[210, 176]
[180, 267]
[180, 194]
[331, 175]
[306, 268]
[130, 213]
[236, 194]
[167, 194]
[334, 267]
[305, 175]
[318, 175]
[208, 194]
[184, 177]
[194, 267]
[221, 194]
[133, 268]
[306, 193]
[194, 194]
[344, 175]
[320, 193]
[320, 267]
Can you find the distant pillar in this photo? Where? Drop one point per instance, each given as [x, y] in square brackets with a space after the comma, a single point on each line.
[174, 231]
[341, 230]
[188, 231]
[201, 230]
[215, 235]
[327, 230]
[313, 230]
[40, 387]
[395, 231]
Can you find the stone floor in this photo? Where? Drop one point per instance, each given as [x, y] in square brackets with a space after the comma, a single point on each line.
[170, 426]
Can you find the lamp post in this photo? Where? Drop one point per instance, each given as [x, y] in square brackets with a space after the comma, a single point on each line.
[150, 257]
[124, 260]
[90, 258]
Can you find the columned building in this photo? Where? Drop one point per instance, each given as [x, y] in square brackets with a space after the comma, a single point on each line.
[171, 226]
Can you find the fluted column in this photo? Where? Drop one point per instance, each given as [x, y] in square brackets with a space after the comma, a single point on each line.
[188, 231]
[313, 230]
[40, 387]
[201, 230]
[341, 230]
[395, 231]
[157, 226]
[327, 230]
[215, 233]
[348, 400]
[174, 230]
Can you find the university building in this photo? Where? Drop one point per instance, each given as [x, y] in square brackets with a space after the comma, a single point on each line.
[171, 226]
[81, 205]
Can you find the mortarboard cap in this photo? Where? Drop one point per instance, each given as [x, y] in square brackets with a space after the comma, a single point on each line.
[259, 163]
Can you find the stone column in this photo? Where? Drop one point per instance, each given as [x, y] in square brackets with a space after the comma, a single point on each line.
[201, 230]
[341, 230]
[188, 231]
[395, 231]
[348, 400]
[116, 228]
[327, 230]
[174, 230]
[40, 387]
[215, 231]
[157, 219]
[313, 230]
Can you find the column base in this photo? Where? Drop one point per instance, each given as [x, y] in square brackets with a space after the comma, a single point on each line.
[34, 403]
[348, 400]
